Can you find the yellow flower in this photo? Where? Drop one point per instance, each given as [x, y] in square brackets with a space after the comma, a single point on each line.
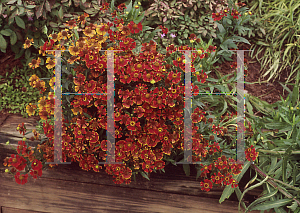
[63, 34]
[28, 43]
[74, 50]
[33, 78]
[34, 63]
[6, 170]
[30, 109]
[76, 110]
[42, 103]
[51, 82]
[50, 63]
[54, 37]
[152, 81]
[89, 32]
[72, 59]
[41, 51]
[98, 29]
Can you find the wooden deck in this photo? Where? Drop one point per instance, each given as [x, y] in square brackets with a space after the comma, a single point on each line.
[68, 189]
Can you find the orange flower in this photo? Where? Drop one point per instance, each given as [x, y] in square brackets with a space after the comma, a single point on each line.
[71, 24]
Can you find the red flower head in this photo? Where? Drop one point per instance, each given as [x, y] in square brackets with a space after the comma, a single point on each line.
[217, 16]
[21, 149]
[235, 14]
[164, 29]
[36, 173]
[36, 165]
[135, 28]
[251, 154]
[21, 179]
[206, 185]
[217, 178]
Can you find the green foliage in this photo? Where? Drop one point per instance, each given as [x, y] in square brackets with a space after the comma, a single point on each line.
[21, 19]
[280, 40]
[279, 150]
[16, 93]
[183, 18]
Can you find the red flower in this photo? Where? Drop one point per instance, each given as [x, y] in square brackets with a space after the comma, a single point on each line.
[206, 168]
[21, 129]
[215, 147]
[36, 173]
[217, 178]
[235, 14]
[21, 179]
[217, 16]
[36, 165]
[164, 29]
[21, 149]
[135, 28]
[132, 124]
[127, 44]
[159, 164]
[90, 86]
[118, 179]
[228, 179]
[251, 154]
[206, 185]
[147, 166]
[217, 130]
[174, 77]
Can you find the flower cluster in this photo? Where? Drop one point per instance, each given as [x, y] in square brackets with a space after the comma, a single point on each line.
[149, 102]
[251, 154]
[233, 12]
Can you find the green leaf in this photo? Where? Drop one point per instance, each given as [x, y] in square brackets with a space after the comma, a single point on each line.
[20, 22]
[13, 38]
[186, 168]
[144, 175]
[228, 190]
[221, 28]
[261, 199]
[272, 204]
[139, 18]
[45, 29]
[3, 43]
[293, 206]
[47, 5]
[27, 53]
[240, 39]
[112, 5]
[60, 13]
[226, 193]
[6, 32]
[39, 11]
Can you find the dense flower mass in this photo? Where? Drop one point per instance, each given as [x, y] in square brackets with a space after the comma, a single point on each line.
[148, 106]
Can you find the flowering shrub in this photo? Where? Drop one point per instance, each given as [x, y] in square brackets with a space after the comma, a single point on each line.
[149, 93]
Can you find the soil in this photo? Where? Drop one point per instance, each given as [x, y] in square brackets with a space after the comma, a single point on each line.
[269, 92]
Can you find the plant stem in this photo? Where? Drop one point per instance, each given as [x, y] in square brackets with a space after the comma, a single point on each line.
[272, 183]
[276, 152]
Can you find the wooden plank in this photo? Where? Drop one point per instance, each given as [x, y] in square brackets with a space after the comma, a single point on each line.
[54, 195]
[14, 210]
[9, 133]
